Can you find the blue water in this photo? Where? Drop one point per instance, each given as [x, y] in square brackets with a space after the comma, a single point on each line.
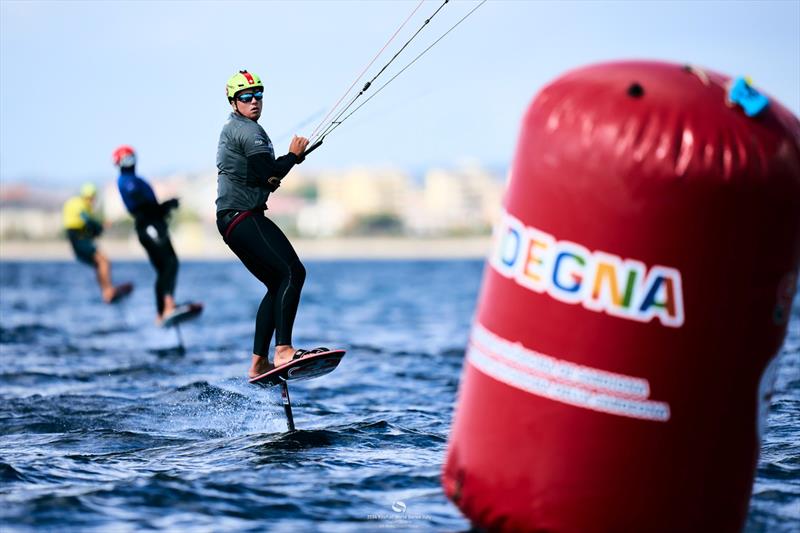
[105, 426]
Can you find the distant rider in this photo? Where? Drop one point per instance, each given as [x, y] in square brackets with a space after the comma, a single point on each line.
[151, 227]
[83, 226]
[248, 172]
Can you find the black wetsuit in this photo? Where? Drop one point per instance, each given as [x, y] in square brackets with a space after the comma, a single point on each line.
[151, 227]
[246, 160]
[154, 237]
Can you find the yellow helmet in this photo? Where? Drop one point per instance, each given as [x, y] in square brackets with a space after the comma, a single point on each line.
[241, 81]
[88, 190]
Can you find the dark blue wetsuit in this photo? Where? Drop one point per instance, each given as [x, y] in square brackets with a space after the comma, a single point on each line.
[151, 227]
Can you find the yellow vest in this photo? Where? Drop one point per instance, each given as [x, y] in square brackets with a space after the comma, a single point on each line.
[72, 212]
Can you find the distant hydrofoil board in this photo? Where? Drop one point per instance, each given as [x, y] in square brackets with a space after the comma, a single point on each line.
[121, 291]
[182, 313]
[307, 367]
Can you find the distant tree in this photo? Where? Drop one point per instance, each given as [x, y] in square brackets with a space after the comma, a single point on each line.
[377, 224]
[308, 192]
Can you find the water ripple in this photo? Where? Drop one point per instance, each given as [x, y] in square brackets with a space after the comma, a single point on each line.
[107, 425]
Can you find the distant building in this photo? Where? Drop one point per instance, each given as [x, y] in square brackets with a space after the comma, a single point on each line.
[456, 201]
[461, 201]
[323, 219]
[30, 212]
[363, 191]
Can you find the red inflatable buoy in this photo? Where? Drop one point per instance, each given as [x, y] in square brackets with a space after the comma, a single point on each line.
[638, 288]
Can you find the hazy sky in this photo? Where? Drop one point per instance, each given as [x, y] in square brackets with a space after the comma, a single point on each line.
[79, 78]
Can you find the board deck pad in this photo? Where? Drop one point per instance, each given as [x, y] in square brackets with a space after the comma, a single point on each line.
[182, 313]
[121, 291]
[308, 367]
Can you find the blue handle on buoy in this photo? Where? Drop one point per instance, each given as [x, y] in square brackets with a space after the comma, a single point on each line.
[744, 95]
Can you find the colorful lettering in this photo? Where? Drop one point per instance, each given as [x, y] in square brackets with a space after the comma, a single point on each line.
[599, 281]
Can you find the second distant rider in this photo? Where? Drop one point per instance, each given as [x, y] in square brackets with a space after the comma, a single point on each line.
[151, 227]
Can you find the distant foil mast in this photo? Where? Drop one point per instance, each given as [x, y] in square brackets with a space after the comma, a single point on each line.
[636, 295]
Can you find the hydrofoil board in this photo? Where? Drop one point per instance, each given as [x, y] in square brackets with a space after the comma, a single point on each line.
[307, 367]
[120, 292]
[182, 313]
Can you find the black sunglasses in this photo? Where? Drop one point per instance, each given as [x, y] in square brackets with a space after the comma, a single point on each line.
[248, 97]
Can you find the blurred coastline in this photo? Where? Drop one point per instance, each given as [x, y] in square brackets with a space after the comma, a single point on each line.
[476, 247]
[358, 213]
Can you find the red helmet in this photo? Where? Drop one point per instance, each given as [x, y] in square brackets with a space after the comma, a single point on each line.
[124, 156]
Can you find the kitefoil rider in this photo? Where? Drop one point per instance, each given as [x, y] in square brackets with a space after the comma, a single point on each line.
[248, 172]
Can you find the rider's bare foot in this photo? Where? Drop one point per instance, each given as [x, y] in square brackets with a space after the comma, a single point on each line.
[259, 365]
[169, 306]
[283, 354]
[108, 294]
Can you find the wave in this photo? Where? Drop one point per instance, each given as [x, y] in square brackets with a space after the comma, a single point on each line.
[9, 474]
